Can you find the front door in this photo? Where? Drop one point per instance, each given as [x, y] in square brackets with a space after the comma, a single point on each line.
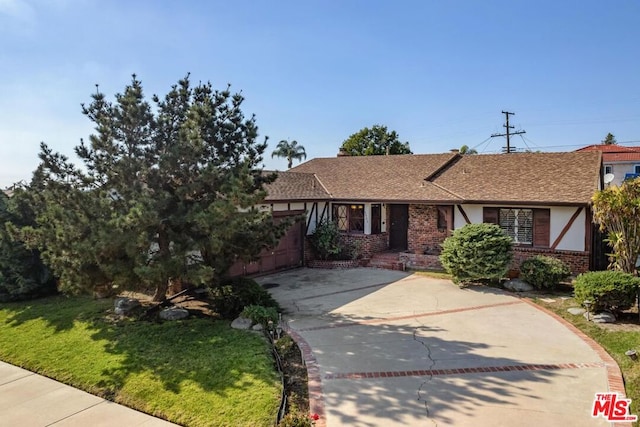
[399, 224]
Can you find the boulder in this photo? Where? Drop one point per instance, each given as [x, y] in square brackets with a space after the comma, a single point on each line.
[602, 317]
[123, 305]
[257, 327]
[241, 323]
[517, 285]
[576, 311]
[174, 313]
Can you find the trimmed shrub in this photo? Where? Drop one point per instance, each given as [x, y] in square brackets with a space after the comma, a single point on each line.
[544, 272]
[325, 240]
[608, 290]
[477, 252]
[260, 314]
[233, 295]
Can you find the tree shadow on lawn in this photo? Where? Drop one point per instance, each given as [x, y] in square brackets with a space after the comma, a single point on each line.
[199, 351]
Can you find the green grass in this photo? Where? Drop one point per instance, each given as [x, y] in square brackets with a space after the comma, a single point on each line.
[616, 343]
[196, 372]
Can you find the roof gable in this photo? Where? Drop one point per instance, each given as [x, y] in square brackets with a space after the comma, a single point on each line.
[382, 178]
[536, 178]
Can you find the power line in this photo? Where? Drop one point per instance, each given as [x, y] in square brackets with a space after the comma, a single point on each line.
[507, 133]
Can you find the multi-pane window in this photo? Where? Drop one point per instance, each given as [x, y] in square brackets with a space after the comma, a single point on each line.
[349, 218]
[517, 224]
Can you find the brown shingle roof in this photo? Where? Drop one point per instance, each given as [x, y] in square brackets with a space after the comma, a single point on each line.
[381, 178]
[553, 178]
[295, 186]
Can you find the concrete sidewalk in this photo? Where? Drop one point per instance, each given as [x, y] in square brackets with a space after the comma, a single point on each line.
[31, 400]
[385, 348]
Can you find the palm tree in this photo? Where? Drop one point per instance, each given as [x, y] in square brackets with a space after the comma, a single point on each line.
[289, 150]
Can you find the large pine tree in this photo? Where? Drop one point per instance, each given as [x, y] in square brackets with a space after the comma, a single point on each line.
[168, 191]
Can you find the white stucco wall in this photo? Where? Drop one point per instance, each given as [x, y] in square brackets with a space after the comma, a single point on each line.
[573, 240]
[620, 169]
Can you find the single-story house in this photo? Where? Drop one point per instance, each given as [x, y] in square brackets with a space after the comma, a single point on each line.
[409, 204]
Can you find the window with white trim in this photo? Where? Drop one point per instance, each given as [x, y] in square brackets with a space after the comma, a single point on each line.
[517, 224]
[608, 169]
[636, 169]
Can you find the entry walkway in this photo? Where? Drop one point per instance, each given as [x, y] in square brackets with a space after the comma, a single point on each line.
[31, 400]
[385, 348]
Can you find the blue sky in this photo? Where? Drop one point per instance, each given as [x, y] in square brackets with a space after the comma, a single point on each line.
[437, 72]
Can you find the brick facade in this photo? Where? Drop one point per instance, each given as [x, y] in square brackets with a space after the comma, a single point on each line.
[369, 244]
[423, 236]
[578, 261]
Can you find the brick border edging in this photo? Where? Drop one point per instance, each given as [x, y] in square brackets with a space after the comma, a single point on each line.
[614, 375]
[314, 382]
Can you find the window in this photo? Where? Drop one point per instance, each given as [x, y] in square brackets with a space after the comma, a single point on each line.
[527, 227]
[445, 218]
[376, 219]
[608, 169]
[636, 169]
[517, 224]
[349, 218]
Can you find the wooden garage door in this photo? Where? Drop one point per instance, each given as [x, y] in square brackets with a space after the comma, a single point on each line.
[287, 254]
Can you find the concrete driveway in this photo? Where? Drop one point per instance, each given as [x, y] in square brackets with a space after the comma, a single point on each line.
[387, 348]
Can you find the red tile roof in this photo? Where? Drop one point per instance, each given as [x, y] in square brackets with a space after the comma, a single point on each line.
[615, 152]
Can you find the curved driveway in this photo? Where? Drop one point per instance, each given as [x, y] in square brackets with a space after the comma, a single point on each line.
[386, 348]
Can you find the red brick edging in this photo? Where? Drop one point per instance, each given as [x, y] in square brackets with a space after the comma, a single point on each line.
[460, 371]
[316, 398]
[614, 375]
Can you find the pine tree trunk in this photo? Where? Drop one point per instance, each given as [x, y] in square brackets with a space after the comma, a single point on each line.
[164, 252]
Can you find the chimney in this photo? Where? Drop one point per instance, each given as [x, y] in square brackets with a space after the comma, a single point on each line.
[343, 153]
[455, 150]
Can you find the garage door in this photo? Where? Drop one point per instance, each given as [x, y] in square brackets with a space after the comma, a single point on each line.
[287, 254]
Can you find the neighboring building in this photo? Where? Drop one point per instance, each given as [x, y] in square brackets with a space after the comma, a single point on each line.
[622, 162]
[410, 203]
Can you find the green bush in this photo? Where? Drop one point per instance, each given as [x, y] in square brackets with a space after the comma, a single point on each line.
[325, 240]
[543, 271]
[477, 252]
[608, 290]
[260, 314]
[233, 295]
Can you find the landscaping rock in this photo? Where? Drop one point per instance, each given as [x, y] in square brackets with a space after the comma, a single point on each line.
[257, 327]
[241, 323]
[576, 311]
[123, 305]
[517, 285]
[602, 317]
[174, 313]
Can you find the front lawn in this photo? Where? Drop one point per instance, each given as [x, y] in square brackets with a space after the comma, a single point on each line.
[195, 372]
[616, 339]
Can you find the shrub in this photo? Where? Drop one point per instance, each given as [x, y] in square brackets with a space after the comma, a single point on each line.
[608, 290]
[543, 271]
[260, 314]
[325, 240]
[233, 295]
[477, 252]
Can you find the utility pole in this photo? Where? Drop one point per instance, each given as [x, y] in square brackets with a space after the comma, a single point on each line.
[508, 133]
